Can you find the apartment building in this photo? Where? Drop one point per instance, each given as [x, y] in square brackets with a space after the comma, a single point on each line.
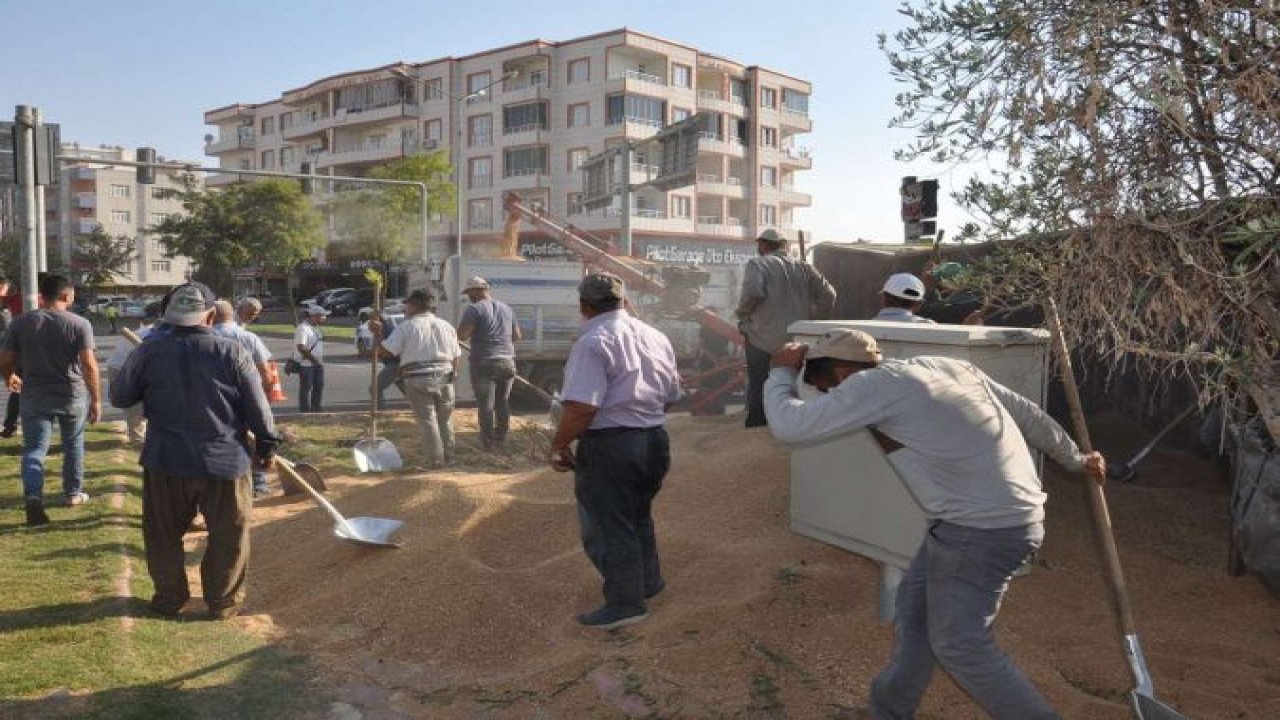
[567, 101]
[92, 194]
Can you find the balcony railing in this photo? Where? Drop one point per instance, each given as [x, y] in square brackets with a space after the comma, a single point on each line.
[708, 178]
[523, 172]
[638, 76]
[86, 201]
[710, 95]
[802, 112]
[709, 220]
[531, 127]
[535, 80]
[619, 119]
[650, 213]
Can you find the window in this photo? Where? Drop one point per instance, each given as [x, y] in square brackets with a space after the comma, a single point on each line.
[370, 95]
[268, 126]
[245, 164]
[287, 157]
[524, 161]
[769, 176]
[738, 91]
[524, 117]
[286, 121]
[577, 156]
[480, 214]
[475, 83]
[768, 97]
[635, 108]
[678, 114]
[433, 89]
[120, 191]
[161, 266]
[480, 130]
[157, 218]
[681, 206]
[432, 131]
[769, 137]
[157, 193]
[768, 215]
[574, 204]
[480, 172]
[120, 216]
[795, 101]
[268, 159]
[579, 115]
[579, 71]
[681, 75]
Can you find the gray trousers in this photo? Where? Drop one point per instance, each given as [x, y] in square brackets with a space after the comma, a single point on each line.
[432, 403]
[946, 607]
[491, 382]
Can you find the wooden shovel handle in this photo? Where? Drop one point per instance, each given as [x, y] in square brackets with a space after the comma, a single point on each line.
[1111, 570]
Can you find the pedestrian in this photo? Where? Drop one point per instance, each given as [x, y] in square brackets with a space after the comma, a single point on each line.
[901, 298]
[427, 348]
[135, 420]
[390, 373]
[201, 395]
[491, 326]
[224, 324]
[112, 312]
[959, 440]
[620, 380]
[247, 311]
[52, 350]
[777, 290]
[308, 352]
[10, 425]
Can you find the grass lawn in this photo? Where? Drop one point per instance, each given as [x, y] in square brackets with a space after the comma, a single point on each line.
[331, 332]
[76, 640]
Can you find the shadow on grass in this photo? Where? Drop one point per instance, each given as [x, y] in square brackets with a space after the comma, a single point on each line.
[47, 616]
[265, 682]
[94, 552]
[129, 521]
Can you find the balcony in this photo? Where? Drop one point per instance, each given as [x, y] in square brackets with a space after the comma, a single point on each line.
[85, 226]
[788, 195]
[796, 118]
[350, 117]
[714, 101]
[636, 80]
[524, 89]
[86, 200]
[710, 142]
[239, 141]
[797, 157]
[642, 173]
[712, 185]
[524, 133]
[300, 129]
[717, 226]
[522, 180]
[84, 173]
[223, 179]
[368, 152]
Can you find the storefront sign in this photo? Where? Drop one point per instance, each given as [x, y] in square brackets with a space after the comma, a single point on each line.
[534, 250]
[696, 253]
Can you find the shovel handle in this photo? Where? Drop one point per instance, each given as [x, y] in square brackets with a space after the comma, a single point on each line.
[542, 394]
[1111, 570]
[293, 474]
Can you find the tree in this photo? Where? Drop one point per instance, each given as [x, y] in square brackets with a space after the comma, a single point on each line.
[384, 223]
[1137, 145]
[223, 230]
[99, 258]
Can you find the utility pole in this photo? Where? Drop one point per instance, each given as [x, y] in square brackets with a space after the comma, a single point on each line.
[25, 150]
[624, 190]
[42, 252]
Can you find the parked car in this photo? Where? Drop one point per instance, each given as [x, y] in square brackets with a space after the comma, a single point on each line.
[389, 305]
[347, 303]
[320, 297]
[364, 338]
[132, 309]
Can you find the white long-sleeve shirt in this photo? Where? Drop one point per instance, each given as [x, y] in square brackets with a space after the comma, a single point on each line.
[964, 436]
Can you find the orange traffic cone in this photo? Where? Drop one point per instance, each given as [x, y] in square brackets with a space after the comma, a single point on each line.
[275, 390]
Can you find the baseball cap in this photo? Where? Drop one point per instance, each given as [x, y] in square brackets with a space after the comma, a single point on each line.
[905, 286]
[772, 237]
[476, 283]
[188, 304]
[598, 287]
[317, 311]
[846, 344]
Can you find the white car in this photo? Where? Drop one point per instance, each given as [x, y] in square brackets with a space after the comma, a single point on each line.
[391, 306]
[364, 338]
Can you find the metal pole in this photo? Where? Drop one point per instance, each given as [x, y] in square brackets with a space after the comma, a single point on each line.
[625, 190]
[24, 119]
[42, 252]
[426, 228]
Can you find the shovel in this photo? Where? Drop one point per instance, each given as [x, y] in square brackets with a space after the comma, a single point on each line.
[372, 453]
[363, 530]
[1127, 472]
[542, 394]
[1142, 697]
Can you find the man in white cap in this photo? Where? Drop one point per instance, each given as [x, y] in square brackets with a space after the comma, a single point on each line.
[308, 352]
[224, 324]
[491, 326]
[777, 290]
[959, 440]
[901, 298]
[201, 395]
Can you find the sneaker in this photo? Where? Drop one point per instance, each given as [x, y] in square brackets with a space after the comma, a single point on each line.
[607, 618]
[75, 499]
[35, 513]
[8, 432]
[662, 585]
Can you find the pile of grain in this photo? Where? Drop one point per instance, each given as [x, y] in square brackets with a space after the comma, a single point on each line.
[474, 616]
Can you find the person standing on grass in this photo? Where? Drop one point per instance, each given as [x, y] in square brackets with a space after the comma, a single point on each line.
[427, 347]
[202, 396]
[224, 324]
[491, 327]
[959, 440]
[134, 420]
[10, 426]
[308, 344]
[619, 381]
[52, 350]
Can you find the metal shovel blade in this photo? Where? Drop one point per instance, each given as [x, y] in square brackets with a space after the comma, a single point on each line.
[369, 531]
[377, 454]
[1149, 708]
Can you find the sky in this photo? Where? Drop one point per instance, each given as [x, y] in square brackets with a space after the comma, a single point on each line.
[142, 72]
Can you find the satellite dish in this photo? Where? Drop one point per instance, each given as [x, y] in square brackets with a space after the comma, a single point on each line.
[208, 138]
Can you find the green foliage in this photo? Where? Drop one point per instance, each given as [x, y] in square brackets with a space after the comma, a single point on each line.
[222, 230]
[98, 258]
[384, 223]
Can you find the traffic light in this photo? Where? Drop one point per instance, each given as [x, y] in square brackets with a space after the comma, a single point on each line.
[146, 173]
[308, 187]
[929, 199]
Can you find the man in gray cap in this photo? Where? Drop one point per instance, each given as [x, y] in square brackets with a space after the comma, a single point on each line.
[620, 379]
[959, 440]
[491, 327]
[201, 395]
[224, 324]
[777, 290]
[308, 352]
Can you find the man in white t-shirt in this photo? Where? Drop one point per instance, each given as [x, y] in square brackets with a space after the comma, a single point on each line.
[308, 350]
[427, 347]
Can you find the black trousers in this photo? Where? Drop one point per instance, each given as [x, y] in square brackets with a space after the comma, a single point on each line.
[11, 411]
[619, 472]
[757, 373]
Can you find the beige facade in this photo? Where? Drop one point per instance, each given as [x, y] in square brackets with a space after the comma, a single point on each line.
[568, 101]
[92, 194]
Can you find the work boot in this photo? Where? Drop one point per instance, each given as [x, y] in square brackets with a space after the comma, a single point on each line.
[610, 618]
[35, 513]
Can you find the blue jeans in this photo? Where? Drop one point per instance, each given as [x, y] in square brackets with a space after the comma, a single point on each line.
[946, 607]
[38, 418]
[310, 388]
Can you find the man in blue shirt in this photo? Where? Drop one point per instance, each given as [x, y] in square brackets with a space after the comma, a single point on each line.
[201, 395]
[491, 327]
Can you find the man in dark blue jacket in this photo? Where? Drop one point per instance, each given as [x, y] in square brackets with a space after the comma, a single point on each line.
[201, 395]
